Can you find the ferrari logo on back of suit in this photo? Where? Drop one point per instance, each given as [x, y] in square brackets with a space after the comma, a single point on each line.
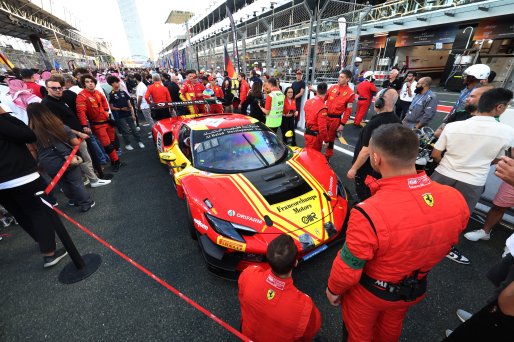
[271, 294]
[429, 199]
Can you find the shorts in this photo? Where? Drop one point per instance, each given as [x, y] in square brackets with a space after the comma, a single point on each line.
[505, 196]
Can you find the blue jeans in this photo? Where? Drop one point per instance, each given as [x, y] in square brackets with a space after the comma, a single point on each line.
[100, 152]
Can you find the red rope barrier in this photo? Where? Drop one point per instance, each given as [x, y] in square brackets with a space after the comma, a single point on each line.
[151, 275]
[63, 169]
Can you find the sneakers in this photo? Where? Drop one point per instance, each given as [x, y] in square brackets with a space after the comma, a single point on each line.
[115, 167]
[463, 315]
[456, 256]
[477, 235]
[129, 147]
[448, 332]
[150, 136]
[6, 221]
[138, 128]
[141, 145]
[50, 261]
[100, 182]
[87, 207]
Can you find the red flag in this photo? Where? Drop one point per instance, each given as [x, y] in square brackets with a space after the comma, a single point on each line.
[229, 67]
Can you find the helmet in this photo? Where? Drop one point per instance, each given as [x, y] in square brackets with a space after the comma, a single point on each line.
[478, 71]
[369, 75]
[358, 60]
[208, 93]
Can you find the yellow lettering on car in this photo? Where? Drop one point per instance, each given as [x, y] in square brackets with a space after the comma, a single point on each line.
[237, 246]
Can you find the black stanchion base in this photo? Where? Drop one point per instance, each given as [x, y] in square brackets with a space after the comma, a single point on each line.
[70, 274]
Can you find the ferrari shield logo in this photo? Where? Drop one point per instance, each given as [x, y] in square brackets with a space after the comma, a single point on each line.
[429, 199]
[271, 294]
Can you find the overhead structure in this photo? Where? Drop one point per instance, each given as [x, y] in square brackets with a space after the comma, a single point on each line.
[178, 17]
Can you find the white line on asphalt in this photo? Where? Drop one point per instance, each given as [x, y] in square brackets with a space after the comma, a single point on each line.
[337, 148]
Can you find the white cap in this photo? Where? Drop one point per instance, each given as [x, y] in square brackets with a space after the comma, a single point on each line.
[358, 60]
[369, 75]
[479, 71]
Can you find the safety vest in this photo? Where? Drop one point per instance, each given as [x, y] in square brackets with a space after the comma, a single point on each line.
[274, 118]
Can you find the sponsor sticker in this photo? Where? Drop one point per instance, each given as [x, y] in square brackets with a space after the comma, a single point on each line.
[271, 294]
[299, 205]
[231, 213]
[237, 246]
[200, 224]
[418, 182]
[279, 284]
[159, 141]
[309, 218]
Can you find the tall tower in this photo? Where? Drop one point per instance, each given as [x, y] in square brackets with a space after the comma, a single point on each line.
[133, 30]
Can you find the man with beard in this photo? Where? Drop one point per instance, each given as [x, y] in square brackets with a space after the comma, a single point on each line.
[423, 106]
[471, 79]
[469, 110]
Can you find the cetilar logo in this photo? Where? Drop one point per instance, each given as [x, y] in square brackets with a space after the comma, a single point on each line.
[231, 213]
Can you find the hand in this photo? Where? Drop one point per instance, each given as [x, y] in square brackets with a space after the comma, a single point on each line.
[296, 113]
[87, 130]
[505, 170]
[340, 128]
[133, 117]
[126, 108]
[83, 135]
[335, 300]
[351, 174]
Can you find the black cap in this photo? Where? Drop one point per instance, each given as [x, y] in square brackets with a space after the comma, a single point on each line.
[26, 73]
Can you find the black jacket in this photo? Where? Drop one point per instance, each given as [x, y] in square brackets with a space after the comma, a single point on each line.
[16, 160]
[63, 111]
[174, 90]
[255, 110]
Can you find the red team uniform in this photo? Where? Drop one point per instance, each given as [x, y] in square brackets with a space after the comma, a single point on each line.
[337, 100]
[93, 107]
[217, 107]
[403, 230]
[187, 92]
[273, 309]
[365, 90]
[315, 123]
[199, 89]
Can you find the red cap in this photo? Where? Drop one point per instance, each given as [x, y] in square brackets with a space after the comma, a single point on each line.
[298, 71]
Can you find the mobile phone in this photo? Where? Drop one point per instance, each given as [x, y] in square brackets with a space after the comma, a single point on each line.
[508, 152]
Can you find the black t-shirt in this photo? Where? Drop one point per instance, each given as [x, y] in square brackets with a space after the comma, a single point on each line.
[62, 110]
[119, 99]
[297, 86]
[397, 84]
[365, 136]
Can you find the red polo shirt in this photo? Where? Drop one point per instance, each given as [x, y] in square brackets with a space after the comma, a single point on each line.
[158, 92]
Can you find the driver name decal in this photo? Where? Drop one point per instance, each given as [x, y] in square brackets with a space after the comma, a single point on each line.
[299, 205]
[209, 134]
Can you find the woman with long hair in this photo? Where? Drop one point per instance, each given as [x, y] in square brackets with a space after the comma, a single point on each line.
[228, 97]
[55, 142]
[253, 99]
[289, 114]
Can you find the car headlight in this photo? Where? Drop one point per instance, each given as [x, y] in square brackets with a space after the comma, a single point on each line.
[229, 229]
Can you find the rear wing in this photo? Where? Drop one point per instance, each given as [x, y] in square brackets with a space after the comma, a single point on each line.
[161, 105]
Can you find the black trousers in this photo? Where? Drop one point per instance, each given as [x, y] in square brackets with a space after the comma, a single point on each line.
[37, 219]
[402, 107]
[361, 188]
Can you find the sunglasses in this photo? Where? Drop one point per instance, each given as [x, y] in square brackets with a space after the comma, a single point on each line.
[56, 88]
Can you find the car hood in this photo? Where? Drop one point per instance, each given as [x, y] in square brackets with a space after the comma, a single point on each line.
[285, 198]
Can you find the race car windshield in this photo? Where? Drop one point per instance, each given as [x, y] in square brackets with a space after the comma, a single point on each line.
[236, 149]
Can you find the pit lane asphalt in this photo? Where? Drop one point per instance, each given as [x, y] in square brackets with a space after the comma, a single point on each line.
[140, 214]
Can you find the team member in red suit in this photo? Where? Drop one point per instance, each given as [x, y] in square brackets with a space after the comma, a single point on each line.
[316, 119]
[158, 93]
[187, 91]
[92, 107]
[339, 101]
[366, 90]
[272, 308]
[394, 238]
[244, 89]
[218, 92]
[199, 89]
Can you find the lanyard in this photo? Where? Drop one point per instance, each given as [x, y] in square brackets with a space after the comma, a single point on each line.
[463, 96]
[415, 101]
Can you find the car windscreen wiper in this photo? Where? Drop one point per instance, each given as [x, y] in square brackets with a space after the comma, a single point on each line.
[257, 152]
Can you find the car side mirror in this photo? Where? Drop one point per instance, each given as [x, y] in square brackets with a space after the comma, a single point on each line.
[168, 156]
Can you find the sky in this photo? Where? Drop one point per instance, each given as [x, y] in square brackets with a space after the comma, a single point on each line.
[101, 19]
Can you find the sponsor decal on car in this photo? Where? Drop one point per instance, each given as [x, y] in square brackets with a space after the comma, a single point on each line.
[233, 213]
[201, 224]
[159, 141]
[309, 218]
[297, 205]
[237, 246]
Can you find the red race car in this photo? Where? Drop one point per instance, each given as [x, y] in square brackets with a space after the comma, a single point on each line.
[243, 186]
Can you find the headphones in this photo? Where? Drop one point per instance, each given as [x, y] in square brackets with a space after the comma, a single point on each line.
[380, 102]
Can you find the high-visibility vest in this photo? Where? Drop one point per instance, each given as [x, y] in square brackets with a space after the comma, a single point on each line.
[274, 118]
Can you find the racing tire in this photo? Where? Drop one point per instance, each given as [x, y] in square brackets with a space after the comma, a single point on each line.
[190, 224]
